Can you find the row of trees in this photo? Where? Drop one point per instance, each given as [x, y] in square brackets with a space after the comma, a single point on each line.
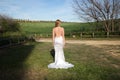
[106, 12]
[27, 20]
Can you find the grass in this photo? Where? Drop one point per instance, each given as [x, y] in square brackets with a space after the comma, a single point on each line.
[29, 62]
[46, 27]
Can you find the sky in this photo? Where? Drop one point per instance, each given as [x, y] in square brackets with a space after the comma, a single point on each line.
[48, 10]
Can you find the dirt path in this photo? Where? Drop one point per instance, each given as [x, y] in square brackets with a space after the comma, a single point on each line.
[87, 42]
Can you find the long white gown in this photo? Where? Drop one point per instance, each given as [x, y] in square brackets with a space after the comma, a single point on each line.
[59, 55]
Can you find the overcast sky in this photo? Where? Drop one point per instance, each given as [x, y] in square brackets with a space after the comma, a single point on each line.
[39, 9]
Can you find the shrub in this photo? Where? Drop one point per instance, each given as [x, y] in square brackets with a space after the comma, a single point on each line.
[8, 24]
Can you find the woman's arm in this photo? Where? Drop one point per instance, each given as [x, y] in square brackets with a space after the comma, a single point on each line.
[63, 35]
[53, 36]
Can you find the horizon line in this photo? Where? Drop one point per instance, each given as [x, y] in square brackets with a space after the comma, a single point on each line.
[44, 20]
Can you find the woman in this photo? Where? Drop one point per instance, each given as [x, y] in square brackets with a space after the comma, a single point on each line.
[59, 42]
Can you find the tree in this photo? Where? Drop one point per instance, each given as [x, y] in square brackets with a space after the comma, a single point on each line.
[8, 24]
[105, 11]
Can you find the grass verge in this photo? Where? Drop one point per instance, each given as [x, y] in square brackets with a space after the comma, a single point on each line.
[29, 62]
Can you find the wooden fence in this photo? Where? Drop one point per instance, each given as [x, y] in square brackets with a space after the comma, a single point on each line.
[81, 35]
[95, 35]
[7, 41]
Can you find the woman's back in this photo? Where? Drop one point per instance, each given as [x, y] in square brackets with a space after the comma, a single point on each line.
[58, 31]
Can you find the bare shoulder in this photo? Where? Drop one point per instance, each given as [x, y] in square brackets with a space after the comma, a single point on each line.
[53, 28]
[62, 28]
[56, 28]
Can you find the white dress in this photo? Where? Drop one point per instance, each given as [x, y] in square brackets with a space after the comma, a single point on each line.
[59, 55]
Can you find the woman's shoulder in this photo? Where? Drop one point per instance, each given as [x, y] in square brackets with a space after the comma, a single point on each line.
[62, 28]
[55, 28]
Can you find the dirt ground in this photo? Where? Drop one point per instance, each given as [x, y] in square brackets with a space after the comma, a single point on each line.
[87, 42]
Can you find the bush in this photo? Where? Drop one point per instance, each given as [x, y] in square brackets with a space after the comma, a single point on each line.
[8, 24]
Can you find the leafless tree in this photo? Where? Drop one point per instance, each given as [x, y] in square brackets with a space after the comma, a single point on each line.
[106, 11]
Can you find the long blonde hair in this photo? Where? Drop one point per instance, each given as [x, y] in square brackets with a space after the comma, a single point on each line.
[57, 23]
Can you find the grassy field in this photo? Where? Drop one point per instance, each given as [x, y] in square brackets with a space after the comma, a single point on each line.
[46, 27]
[29, 62]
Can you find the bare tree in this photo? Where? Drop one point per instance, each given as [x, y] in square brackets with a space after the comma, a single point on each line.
[106, 11]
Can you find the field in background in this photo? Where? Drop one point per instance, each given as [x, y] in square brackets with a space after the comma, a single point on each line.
[46, 27]
[43, 29]
[83, 30]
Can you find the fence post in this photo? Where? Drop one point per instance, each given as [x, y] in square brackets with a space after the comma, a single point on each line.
[47, 35]
[70, 34]
[108, 34]
[40, 35]
[73, 36]
[93, 35]
[35, 35]
[81, 35]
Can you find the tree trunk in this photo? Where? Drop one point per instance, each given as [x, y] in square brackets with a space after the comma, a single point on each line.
[106, 26]
[112, 22]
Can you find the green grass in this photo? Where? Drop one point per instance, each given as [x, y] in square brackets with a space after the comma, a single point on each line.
[46, 27]
[29, 62]
[40, 27]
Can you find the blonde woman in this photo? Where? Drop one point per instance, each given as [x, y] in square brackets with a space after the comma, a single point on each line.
[58, 43]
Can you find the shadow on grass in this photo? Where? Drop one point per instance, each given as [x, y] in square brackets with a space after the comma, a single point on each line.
[12, 60]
